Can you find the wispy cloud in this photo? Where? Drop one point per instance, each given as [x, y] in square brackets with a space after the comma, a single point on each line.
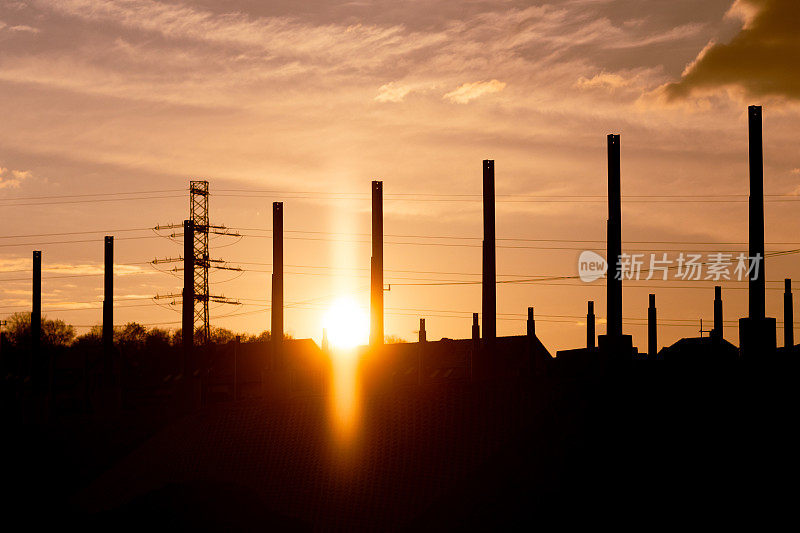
[604, 80]
[12, 179]
[392, 92]
[21, 264]
[470, 91]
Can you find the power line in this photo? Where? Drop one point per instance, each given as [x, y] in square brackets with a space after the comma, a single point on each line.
[94, 200]
[75, 241]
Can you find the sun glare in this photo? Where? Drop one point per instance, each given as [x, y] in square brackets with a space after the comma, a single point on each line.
[347, 324]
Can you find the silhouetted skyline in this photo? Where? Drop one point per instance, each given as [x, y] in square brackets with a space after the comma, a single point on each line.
[419, 129]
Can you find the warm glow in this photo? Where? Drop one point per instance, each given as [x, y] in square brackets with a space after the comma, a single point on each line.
[347, 324]
[345, 397]
[347, 327]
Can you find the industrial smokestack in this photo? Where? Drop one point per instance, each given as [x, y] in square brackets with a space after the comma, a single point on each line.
[756, 292]
[376, 270]
[422, 334]
[531, 324]
[36, 313]
[716, 333]
[188, 296]
[652, 328]
[108, 310]
[590, 332]
[614, 236]
[476, 344]
[756, 332]
[276, 327]
[788, 314]
[325, 345]
[489, 296]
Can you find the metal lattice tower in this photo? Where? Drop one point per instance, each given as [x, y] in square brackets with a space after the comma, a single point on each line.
[203, 263]
[198, 213]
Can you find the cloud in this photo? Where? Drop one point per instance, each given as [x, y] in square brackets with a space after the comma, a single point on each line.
[11, 179]
[471, 91]
[761, 59]
[24, 28]
[604, 80]
[18, 28]
[391, 92]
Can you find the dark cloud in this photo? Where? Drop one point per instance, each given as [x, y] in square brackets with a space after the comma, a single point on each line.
[762, 59]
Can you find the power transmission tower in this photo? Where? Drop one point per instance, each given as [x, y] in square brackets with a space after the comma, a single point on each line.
[199, 215]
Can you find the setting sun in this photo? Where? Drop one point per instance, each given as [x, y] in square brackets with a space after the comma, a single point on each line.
[346, 323]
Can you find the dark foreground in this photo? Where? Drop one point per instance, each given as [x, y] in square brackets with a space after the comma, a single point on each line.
[644, 443]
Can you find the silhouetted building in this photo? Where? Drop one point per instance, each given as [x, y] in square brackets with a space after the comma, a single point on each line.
[450, 360]
[700, 351]
[713, 349]
[237, 370]
[590, 325]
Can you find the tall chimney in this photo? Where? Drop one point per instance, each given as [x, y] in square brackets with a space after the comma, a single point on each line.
[756, 292]
[531, 323]
[108, 310]
[276, 307]
[188, 296]
[36, 314]
[614, 236]
[652, 328]
[716, 333]
[422, 333]
[476, 344]
[788, 314]
[756, 331]
[489, 296]
[590, 332]
[376, 270]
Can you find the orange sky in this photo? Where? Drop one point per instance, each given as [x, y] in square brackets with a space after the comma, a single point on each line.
[307, 104]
